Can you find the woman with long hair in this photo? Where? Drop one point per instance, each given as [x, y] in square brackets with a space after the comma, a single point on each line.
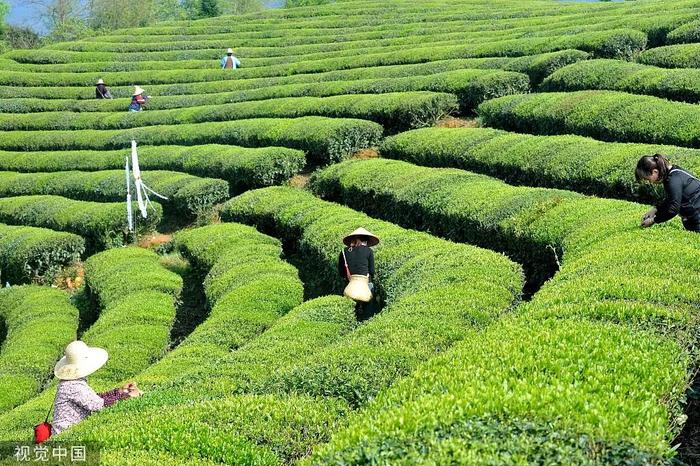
[682, 190]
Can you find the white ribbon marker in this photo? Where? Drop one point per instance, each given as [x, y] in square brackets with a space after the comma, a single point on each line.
[141, 189]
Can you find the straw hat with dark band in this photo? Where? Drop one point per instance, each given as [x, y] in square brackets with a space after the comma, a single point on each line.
[229, 51]
[372, 240]
[80, 361]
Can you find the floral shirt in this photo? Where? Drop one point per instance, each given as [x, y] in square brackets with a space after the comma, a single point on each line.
[75, 401]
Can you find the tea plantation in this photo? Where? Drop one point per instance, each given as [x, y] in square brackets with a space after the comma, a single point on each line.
[526, 318]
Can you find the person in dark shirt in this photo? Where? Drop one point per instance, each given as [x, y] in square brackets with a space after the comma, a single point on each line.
[682, 192]
[356, 265]
[101, 91]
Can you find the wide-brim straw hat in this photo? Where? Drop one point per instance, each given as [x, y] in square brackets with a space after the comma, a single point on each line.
[79, 361]
[229, 50]
[372, 239]
[138, 91]
[99, 81]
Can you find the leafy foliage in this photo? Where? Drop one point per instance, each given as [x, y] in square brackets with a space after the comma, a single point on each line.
[34, 317]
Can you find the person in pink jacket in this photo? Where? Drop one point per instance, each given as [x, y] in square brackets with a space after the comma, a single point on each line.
[75, 400]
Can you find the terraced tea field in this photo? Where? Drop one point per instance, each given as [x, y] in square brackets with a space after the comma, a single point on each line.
[525, 318]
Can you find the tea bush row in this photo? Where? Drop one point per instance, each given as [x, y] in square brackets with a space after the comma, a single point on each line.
[395, 111]
[673, 56]
[606, 115]
[430, 296]
[136, 298]
[590, 331]
[615, 75]
[471, 87]
[38, 322]
[102, 225]
[187, 194]
[568, 162]
[29, 254]
[243, 168]
[323, 139]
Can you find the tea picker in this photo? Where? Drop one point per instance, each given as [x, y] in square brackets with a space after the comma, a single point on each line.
[356, 265]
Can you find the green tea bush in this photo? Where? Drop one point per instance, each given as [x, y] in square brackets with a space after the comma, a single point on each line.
[601, 44]
[606, 115]
[243, 168]
[323, 139]
[165, 66]
[136, 297]
[431, 297]
[237, 381]
[187, 194]
[500, 398]
[103, 225]
[687, 33]
[395, 111]
[237, 429]
[29, 254]
[673, 56]
[39, 323]
[614, 43]
[567, 162]
[297, 335]
[133, 298]
[113, 276]
[615, 75]
[597, 316]
[248, 287]
[471, 87]
[46, 98]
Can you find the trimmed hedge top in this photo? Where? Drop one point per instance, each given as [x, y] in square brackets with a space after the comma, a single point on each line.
[607, 115]
[622, 352]
[324, 140]
[33, 318]
[567, 162]
[431, 296]
[29, 254]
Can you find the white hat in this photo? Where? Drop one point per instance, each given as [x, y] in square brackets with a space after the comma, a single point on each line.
[99, 81]
[229, 50]
[372, 240]
[138, 91]
[80, 361]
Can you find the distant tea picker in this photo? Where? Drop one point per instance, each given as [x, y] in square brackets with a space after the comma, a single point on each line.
[138, 100]
[682, 190]
[101, 90]
[230, 62]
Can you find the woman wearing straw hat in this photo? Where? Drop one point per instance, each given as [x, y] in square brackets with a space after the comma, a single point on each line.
[101, 91]
[356, 264]
[138, 100]
[229, 62]
[75, 400]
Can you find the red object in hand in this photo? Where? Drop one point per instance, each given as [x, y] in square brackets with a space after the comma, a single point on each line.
[42, 432]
